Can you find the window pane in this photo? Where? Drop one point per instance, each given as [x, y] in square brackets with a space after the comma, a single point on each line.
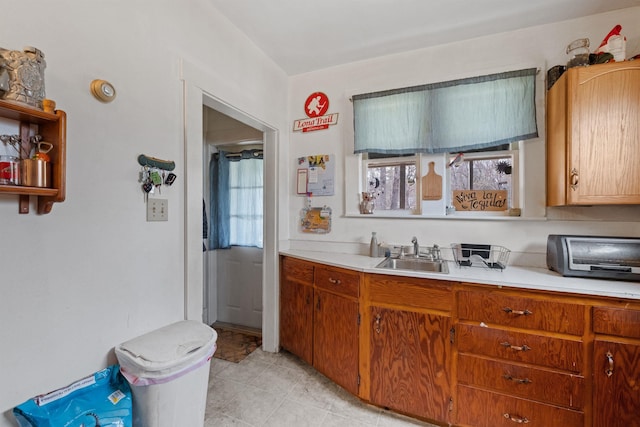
[245, 202]
[492, 173]
[393, 185]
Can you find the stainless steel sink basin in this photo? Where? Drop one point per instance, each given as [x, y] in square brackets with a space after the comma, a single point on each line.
[415, 264]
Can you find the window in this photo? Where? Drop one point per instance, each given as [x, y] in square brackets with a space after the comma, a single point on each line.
[486, 118]
[245, 202]
[392, 182]
[485, 171]
[236, 187]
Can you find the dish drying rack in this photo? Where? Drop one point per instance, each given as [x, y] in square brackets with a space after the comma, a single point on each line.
[477, 255]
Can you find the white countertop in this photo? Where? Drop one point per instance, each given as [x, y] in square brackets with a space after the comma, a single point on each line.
[512, 276]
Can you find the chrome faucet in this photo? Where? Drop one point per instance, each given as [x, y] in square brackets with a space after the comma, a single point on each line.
[416, 247]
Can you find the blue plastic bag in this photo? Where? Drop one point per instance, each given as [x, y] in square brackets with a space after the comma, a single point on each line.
[99, 400]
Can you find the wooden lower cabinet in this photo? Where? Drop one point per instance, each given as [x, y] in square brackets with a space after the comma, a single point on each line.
[410, 362]
[296, 318]
[296, 308]
[616, 367]
[467, 355]
[335, 339]
[319, 315]
[521, 359]
[616, 397]
[483, 408]
[408, 349]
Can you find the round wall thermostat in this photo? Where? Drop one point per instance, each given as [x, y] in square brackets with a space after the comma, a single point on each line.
[103, 90]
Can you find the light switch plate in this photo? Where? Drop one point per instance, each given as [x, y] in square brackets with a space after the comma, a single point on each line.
[157, 210]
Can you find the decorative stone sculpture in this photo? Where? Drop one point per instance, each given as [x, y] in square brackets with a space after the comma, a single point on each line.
[22, 76]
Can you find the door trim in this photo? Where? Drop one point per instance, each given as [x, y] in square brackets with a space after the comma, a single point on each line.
[199, 88]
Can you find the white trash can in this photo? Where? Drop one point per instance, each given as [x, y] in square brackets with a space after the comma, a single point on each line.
[168, 370]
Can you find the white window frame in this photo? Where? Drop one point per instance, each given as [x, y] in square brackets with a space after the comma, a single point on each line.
[516, 167]
[393, 161]
[444, 211]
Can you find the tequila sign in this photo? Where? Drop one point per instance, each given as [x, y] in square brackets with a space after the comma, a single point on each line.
[480, 200]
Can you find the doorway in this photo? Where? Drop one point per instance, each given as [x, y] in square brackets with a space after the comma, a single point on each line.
[232, 277]
[199, 87]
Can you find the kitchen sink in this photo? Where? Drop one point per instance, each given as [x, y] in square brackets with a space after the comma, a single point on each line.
[414, 264]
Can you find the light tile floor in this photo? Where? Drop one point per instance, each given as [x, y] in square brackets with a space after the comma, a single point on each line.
[279, 390]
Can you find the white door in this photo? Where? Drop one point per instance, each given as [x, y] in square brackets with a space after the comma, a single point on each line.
[239, 279]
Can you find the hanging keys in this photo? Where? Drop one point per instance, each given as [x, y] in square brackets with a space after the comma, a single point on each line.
[146, 188]
[170, 178]
[156, 179]
[152, 178]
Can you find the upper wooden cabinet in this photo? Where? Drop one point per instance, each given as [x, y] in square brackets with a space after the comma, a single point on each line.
[593, 136]
[53, 129]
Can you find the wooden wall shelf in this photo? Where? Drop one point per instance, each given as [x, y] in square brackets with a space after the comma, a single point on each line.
[53, 128]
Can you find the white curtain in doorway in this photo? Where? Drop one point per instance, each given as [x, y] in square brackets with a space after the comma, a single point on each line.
[236, 199]
[245, 202]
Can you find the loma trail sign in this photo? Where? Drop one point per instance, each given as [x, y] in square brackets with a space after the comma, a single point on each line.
[315, 107]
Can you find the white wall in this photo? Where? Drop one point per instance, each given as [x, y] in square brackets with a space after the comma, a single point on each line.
[542, 46]
[93, 273]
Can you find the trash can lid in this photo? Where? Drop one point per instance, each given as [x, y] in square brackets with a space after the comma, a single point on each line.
[168, 349]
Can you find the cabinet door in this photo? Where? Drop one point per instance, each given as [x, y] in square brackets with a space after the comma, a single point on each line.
[604, 105]
[410, 355]
[296, 318]
[616, 387]
[335, 339]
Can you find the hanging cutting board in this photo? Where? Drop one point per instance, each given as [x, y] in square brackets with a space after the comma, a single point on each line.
[432, 184]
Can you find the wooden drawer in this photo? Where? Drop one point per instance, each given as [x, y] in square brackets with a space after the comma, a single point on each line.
[345, 282]
[521, 312]
[297, 270]
[521, 347]
[410, 292]
[533, 383]
[480, 408]
[621, 322]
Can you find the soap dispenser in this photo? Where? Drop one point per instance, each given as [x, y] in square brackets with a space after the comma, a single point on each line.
[373, 247]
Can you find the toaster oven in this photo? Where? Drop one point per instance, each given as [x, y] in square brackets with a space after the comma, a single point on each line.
[602, 257]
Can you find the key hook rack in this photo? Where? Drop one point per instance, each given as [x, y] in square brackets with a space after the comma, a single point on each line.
[153, 162]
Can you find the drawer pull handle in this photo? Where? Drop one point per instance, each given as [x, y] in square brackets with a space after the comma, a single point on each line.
[334, 281]
[377, 326]
[516, 347]
[609, 370]
[517, 312]
[517, 380]
[516, 419]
